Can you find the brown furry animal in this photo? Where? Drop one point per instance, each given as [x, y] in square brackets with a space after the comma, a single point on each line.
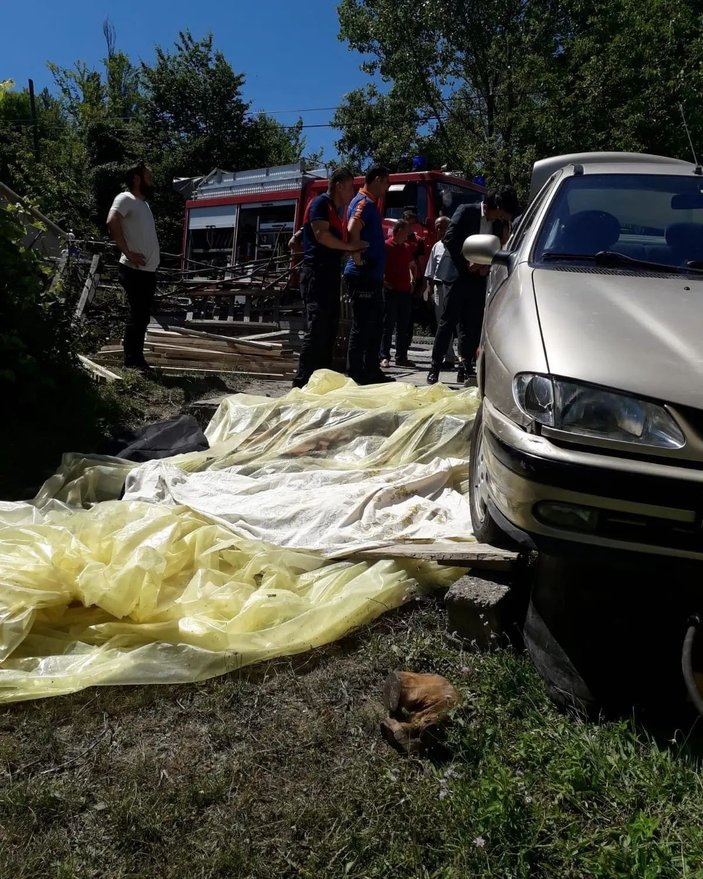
[417, 704]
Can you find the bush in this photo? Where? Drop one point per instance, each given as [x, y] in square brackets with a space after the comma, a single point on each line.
[49, 404]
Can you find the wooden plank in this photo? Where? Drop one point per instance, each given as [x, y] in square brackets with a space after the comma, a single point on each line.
[235, 327]
[250, 342]
[157, 359]
[88, 290]
[206, 345]
[220, 352]
[188, 351]
[471, 555]
[277, 334]
[265, 376]
[99, 371]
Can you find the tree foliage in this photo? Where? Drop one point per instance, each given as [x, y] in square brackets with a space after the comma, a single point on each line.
[193, 118]
[183, 114]
[491, 86]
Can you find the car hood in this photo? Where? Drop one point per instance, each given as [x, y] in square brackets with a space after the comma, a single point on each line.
[638, 333]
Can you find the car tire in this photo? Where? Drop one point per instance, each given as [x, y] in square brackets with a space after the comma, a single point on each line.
[484, 527]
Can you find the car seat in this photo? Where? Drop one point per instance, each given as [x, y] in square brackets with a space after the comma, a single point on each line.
[685, 241]
[589, 232]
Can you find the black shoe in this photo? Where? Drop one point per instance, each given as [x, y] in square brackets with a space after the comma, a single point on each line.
[404, 361]
[461, 373]
[433, 375]
[377, 378]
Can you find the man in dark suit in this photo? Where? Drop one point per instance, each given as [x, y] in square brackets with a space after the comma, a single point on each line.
[466, 297]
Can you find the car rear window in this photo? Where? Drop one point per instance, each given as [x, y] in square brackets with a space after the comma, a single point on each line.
[657, 218]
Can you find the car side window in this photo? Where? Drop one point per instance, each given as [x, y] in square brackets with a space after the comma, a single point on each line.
[526, 221]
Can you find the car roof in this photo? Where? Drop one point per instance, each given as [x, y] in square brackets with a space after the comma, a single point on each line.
[607, 163]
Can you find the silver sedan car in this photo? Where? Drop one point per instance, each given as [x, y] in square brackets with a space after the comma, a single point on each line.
[590, 429]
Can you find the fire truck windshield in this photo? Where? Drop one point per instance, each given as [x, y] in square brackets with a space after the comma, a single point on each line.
[405, 195]
[448, 197]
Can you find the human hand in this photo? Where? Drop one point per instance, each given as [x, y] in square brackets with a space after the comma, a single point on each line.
[357, 246]
[477, 269]
[137, 258]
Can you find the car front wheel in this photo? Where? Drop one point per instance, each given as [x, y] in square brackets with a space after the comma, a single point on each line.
[484, 527]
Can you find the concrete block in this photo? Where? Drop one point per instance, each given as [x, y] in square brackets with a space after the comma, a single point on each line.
[481, 610]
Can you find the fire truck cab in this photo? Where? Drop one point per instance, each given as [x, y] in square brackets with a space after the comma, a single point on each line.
[234, 217]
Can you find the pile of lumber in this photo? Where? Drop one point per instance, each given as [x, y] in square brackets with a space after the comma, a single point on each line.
[179, 349]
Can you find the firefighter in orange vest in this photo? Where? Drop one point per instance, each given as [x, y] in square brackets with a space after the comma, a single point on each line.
[324, 241]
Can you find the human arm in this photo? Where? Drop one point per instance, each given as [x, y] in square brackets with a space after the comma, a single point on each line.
[460, 227]
[354, 229]
[321, 229]
[114, 224]
[296, 241]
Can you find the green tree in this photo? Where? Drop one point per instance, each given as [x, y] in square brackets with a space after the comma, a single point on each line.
[376, 125]
[494, 85]
[102, 105]
[193, 118]
[48, 179]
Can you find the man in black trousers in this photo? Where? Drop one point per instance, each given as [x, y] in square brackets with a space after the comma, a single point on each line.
[324, 242]
[466, 297]
[132, 226]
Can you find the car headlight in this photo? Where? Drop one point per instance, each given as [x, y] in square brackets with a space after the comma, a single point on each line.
[592, 411]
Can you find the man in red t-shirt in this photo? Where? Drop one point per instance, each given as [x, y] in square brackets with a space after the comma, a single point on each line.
[398, 282]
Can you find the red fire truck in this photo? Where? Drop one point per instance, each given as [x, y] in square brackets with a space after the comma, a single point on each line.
[244, 216]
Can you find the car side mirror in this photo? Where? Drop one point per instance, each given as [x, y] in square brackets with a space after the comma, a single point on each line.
[485, 250]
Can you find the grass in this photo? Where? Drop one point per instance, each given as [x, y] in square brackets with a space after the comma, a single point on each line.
[281, 772]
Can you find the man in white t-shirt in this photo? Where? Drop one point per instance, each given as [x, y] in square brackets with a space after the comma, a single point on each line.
[436, 286]
[132, 227]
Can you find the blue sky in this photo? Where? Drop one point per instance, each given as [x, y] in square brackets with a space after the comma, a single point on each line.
[288, 51]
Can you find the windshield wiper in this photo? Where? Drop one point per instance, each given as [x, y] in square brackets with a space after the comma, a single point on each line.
[613, 258]
[553, 255]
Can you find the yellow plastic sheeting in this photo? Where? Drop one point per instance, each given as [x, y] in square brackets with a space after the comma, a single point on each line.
[130, 592]
[333, 423]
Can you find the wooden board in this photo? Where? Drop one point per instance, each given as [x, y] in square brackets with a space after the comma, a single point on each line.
[252, 367]
[198, 350]
[470, 555]
[98, 370]
[235, 327]
[200, 336]
[277, 334]
[264, 376]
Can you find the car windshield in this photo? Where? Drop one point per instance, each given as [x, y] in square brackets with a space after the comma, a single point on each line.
[650, 218]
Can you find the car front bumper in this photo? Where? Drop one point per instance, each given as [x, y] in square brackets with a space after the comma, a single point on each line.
[543, 493]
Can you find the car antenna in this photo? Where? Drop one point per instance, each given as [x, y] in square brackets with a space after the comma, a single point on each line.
[697, 169]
